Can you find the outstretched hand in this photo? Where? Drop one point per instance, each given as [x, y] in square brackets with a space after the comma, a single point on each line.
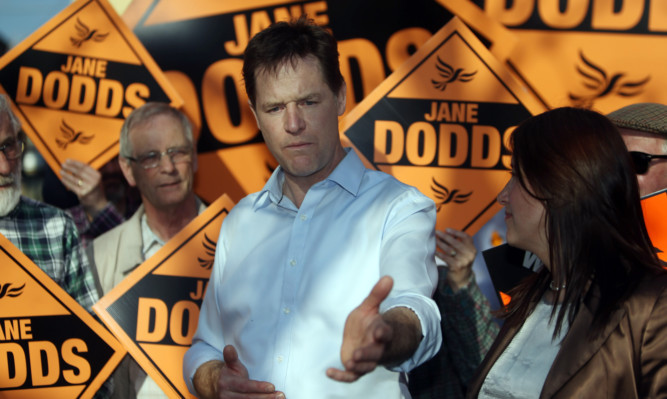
[366, 336]
[231, 380]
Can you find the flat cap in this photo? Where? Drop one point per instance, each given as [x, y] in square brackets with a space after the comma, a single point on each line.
[645, 117]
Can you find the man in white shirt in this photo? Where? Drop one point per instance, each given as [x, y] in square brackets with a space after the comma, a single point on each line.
[157, 155]
[287, 311]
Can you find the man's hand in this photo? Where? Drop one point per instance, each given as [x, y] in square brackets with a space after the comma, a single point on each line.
[229, 379]
[371, 339]
[458, 250]
[86, 183]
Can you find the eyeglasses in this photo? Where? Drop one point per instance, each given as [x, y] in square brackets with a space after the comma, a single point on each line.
[153, 158]
[12, 149]
[641, 160]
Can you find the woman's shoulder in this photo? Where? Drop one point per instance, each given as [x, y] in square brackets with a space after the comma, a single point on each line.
[650, 295]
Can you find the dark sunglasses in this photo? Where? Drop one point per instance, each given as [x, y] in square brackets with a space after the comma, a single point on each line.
[641, 160]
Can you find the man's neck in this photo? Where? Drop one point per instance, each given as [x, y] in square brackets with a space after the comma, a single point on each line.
[296, 187]
[166, 223]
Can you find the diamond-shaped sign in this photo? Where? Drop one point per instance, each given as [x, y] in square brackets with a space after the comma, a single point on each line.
[601, 55]
[155, 310]
[75, 80]
[50, 346]
[440, 123]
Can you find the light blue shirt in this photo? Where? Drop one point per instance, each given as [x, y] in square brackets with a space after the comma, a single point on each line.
[286, 278]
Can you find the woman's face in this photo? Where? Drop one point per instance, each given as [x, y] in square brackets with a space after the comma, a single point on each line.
[525, 219]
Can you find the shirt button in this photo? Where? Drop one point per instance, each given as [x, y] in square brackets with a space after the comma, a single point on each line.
[280, 359]
[286, 310]
[292, 263]
[304, 217]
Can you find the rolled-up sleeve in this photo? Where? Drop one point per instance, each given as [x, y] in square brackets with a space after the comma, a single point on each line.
[408, 255]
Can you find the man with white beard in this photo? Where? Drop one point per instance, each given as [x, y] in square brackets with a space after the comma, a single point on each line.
[45, 234]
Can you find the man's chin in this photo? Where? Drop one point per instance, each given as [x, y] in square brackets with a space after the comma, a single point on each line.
[9, 198]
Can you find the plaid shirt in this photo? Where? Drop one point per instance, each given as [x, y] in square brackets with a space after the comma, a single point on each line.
[105, 220]
[468, 331]
[47, 236]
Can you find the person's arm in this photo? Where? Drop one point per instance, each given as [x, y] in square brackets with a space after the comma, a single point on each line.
[468, 327]
[209, 372]
[106, 219]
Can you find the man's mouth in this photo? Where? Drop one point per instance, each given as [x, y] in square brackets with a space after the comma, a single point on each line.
[6, 181]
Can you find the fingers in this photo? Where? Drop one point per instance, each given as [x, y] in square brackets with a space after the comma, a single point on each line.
[79, 177]
[234, 378]
[364, 361]
[342, 375]
[378, 294]
[455, 247]
[231, 359]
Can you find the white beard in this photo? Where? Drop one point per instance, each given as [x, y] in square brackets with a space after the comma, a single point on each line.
[10, 196]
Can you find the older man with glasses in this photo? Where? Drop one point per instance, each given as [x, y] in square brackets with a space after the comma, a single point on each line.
[644, 129]
[45, 234]
[157, 155]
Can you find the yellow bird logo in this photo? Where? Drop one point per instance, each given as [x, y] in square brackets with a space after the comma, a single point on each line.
[69, 136]
[84, 34]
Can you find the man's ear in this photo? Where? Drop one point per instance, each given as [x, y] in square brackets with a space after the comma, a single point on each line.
[127, 171]
[341, 98]
[252, 108]
[195, 162]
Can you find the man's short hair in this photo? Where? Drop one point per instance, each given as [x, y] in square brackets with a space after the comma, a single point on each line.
[144, 114]
[288, 42]
[645, 117]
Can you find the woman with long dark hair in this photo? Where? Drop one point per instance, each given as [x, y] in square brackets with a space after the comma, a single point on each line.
[593, 321]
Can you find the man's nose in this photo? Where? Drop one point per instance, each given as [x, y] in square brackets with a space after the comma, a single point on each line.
[294, 121]
[166, 163]
[5, 164]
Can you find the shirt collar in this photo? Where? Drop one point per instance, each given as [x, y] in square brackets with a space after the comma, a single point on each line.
[151, 242]
[348, 175]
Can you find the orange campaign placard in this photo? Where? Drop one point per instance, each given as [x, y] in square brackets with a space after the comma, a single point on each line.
[208, 74]
[596, 54]
[50, 346]
[655, 217]
[440, 123]
[73, 82]
[155, 310]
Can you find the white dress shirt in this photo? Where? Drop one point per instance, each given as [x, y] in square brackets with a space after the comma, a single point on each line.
[520, 372]
[286, 278]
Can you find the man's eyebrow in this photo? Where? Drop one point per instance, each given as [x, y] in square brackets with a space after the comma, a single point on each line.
[306, 97]
[8, 140]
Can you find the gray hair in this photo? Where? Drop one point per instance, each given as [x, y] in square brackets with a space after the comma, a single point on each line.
[146, 112]
[6, 112]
